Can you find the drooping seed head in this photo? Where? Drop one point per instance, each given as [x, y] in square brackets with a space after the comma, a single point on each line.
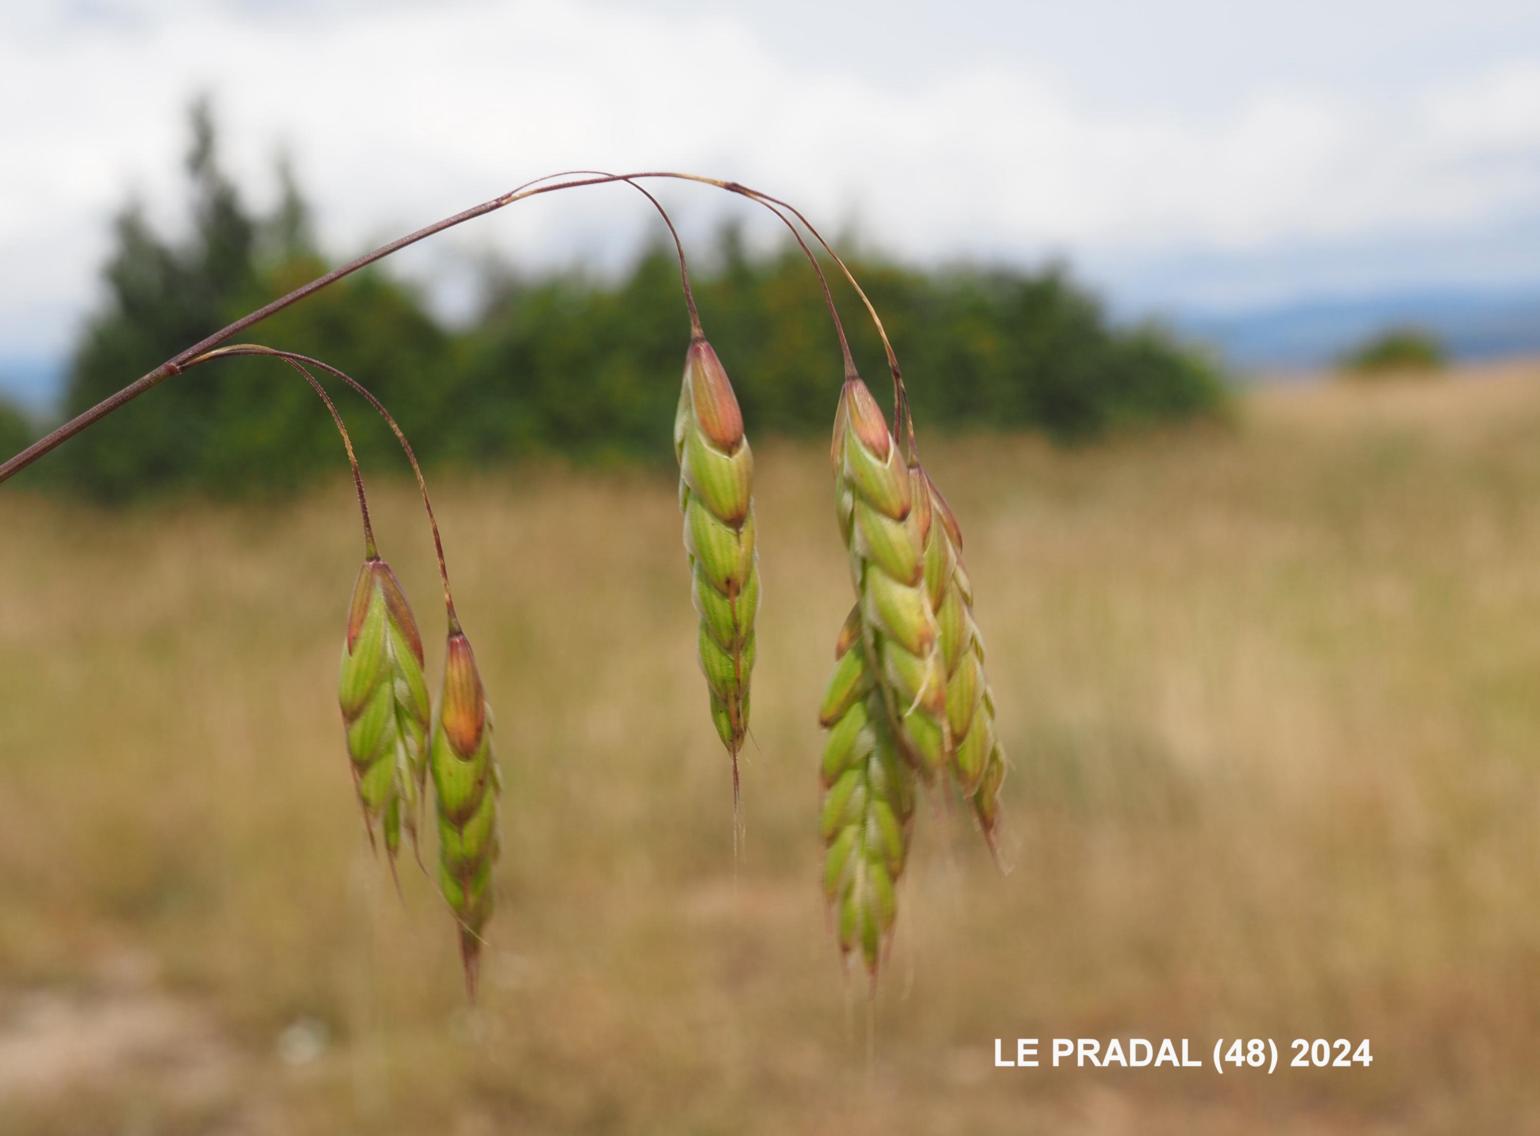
[384, 702]
[466, 783]
[716, 471]
[884, 515]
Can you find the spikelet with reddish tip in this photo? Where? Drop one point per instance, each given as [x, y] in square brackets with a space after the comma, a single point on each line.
[975, 758]
[384, 703]
[466, 785]
[716, 470]
[868, 803]
[884, 516]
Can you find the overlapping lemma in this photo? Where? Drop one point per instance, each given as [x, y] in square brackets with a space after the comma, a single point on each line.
[716, 470]
[384, 703]
[466, 783]
[986, 802]
[881, 516]
[868, 803]
[975, 758]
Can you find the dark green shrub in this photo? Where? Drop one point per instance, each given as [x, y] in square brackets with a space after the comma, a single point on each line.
[1398, 351]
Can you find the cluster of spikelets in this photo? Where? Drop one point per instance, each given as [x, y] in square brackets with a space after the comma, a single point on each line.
[386, 716]
[716, 471]
[908, 702]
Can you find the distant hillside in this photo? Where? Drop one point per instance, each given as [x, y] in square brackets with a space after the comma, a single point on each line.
[1473, 324]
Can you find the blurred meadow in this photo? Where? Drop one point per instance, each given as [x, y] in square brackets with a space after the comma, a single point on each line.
[1268, 685]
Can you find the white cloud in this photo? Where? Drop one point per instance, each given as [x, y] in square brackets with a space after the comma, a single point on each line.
[398, 113]
[1499, 109]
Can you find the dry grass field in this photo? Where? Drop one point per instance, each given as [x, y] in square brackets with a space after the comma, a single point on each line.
[1272, 691]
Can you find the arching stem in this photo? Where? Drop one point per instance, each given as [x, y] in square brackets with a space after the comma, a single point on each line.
[902, 417]
[179, 361]
[901, 414]
[834, 315]
[684, 271]
[294, 358]
[371, 550]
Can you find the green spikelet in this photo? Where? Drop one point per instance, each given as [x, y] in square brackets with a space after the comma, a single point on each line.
[868, 803]
[466, 785]
[969, 702]
[384, 704]
[884, 518]
[986, 801]
[716, 470]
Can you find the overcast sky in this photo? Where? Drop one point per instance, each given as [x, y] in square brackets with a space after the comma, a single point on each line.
[1182, 154]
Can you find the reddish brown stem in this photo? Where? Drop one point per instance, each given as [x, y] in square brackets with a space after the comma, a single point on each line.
[177, 362]
[371, 550]
[294, 358]
[684, 272]
[901, 414]
[823, 283]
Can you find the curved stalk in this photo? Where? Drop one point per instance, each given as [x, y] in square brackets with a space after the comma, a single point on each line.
[765, 201]
[178, 362]
[295, 359]
[370, 549]
[684, 272]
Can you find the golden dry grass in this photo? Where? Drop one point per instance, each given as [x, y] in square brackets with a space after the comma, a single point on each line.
[1271, 693]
